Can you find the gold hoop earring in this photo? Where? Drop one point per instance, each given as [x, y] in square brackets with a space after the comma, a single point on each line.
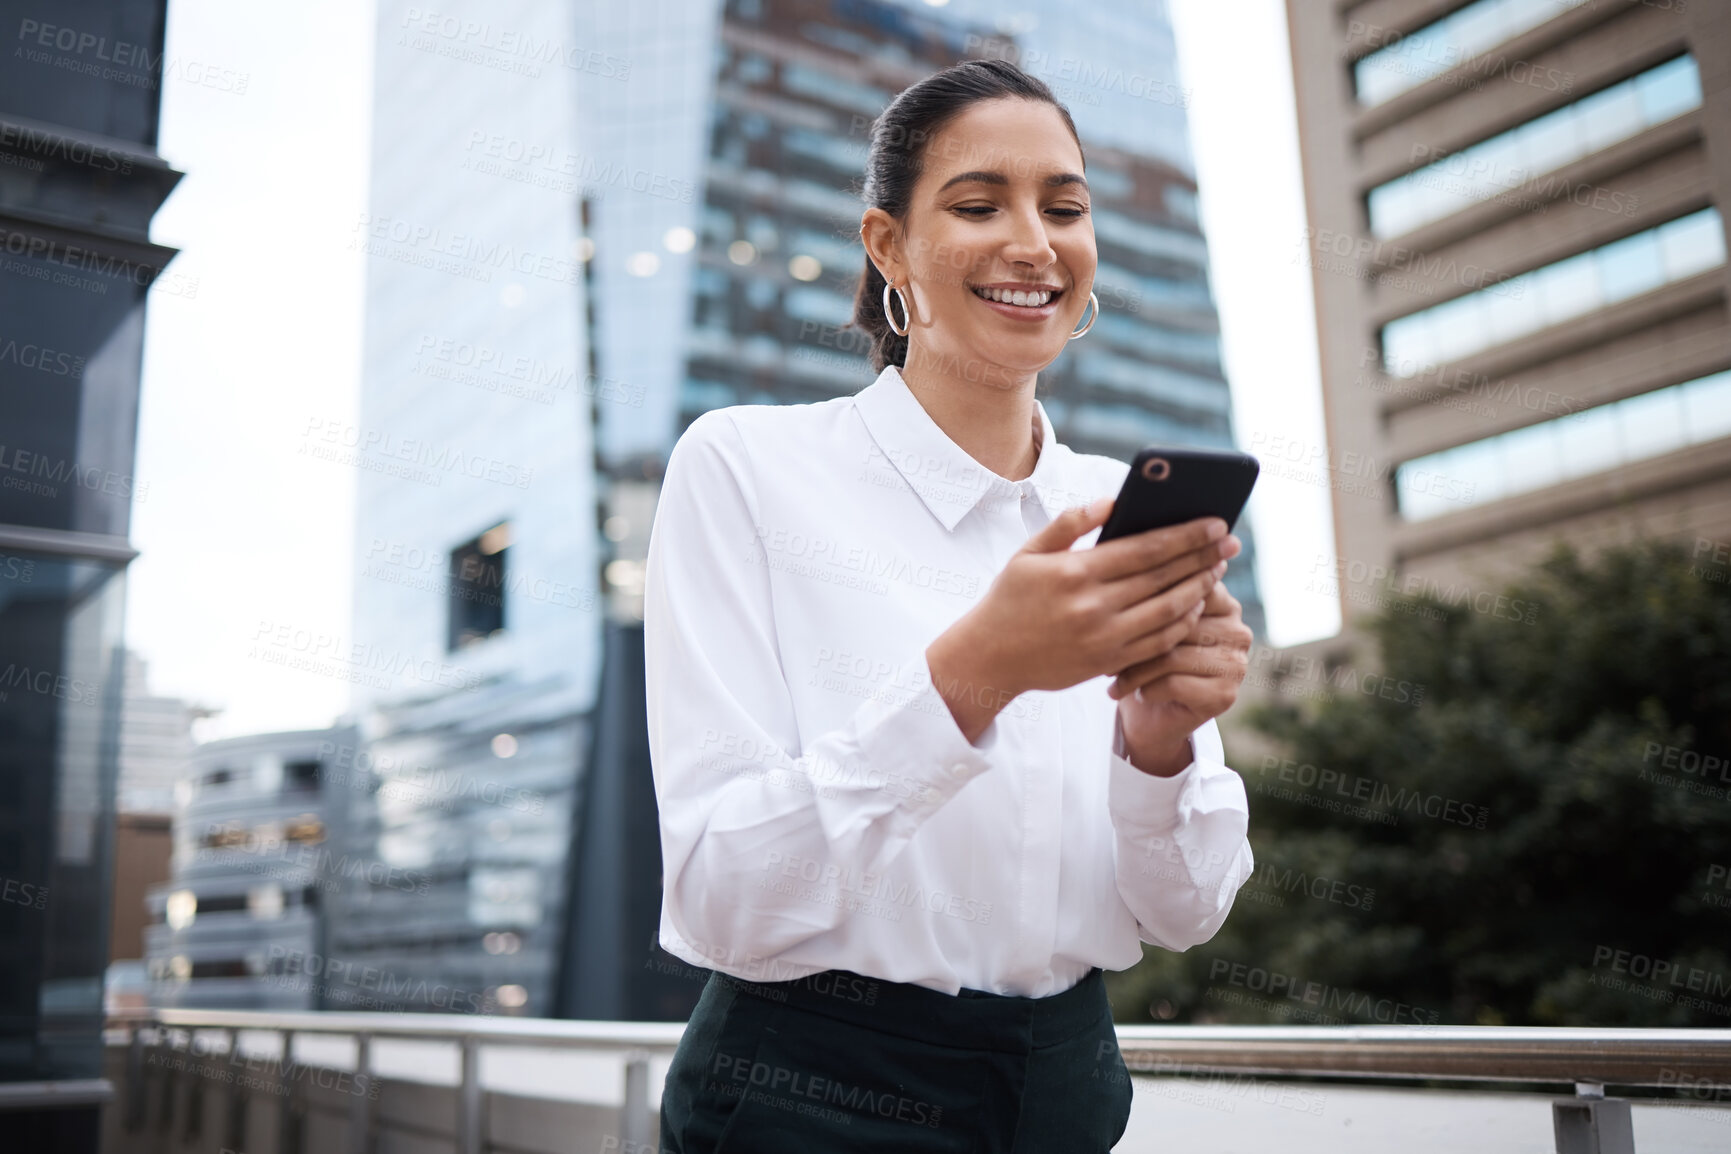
[1095, 302]
[890, 316]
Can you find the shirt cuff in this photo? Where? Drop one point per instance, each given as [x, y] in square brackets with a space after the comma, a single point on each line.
[917, 745]
[1143, 798]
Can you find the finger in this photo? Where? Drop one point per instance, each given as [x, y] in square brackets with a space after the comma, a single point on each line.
[1152, 645]
[1140, 586]
[1207, 697]
[1148, 550]
[1067, 527]
[1219, 633]
[1187, 599]
[1223, 626]
[1220, 601]
[1184, 658]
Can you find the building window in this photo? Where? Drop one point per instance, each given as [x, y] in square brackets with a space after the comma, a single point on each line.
[699, 396]
[478, 587]
[1407, 61]
[1183, 203]
[1591, 441]
[820, 305]
[1553, 294]
[1494, 169]
[832, 88]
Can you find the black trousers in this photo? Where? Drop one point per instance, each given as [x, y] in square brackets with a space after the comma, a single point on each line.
[841, 1062]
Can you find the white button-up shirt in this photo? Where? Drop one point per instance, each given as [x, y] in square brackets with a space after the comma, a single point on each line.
[820, 807]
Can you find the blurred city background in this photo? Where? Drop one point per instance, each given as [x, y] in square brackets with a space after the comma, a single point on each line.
[342, 348]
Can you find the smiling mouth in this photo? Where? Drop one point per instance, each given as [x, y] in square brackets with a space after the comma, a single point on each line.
[1024, 299]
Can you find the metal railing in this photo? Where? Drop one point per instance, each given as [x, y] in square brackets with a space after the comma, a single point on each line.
[637, 1040]
[1588, 1059]
[1564, 1055]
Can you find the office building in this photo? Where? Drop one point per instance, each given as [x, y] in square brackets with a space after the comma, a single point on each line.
[80, 180]
[240, 923]
[477, 621]
[1517, 231]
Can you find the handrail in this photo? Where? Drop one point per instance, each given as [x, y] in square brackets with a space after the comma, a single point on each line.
[1560, 1054]
[484, 1028]
[65, 1092]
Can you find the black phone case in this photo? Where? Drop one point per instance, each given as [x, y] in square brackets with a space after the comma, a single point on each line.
[1167, 485]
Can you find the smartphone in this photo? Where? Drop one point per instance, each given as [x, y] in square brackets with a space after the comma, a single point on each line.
[1169, 485]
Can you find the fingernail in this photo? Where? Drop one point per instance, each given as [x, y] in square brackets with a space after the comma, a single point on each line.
[1216, 528]
[1220, 569]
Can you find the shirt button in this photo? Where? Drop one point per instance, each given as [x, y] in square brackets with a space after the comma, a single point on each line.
[959, 768]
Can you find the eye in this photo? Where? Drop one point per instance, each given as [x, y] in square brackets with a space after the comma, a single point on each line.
[1070, 213]
[975, 210]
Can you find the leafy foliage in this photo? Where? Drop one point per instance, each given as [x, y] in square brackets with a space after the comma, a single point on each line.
[1579, 876]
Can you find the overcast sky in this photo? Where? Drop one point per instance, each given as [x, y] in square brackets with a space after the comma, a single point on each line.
[239, 534]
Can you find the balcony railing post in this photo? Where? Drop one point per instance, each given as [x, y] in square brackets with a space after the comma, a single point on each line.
[634, 1117]
[135, 1099]
[361, 1110]
[170, 1065]
[469, 1098]
[288, 1132]
[234, 1115]
[1590, 1123]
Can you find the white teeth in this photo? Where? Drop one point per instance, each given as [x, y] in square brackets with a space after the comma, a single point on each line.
[1025, 299]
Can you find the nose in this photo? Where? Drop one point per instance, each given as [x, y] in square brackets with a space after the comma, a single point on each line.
[1027, 242]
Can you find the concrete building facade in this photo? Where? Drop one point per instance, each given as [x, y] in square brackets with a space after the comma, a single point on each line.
[1517, 237]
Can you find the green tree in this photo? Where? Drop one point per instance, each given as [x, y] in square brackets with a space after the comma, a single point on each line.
[1539, 834]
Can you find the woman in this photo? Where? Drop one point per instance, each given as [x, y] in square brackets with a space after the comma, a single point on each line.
[925, 769]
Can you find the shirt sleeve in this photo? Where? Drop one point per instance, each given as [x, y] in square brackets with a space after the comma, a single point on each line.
[740, 799]
[1182, 849]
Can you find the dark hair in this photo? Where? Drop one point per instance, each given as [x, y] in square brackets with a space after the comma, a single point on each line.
[899, 137]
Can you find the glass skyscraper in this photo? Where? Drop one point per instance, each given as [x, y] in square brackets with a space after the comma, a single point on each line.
[476, 636]
[81, 182]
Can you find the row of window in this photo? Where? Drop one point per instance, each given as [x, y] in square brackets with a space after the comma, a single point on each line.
[1514, 163]
[238, 835]
[1554, 293]
[1404, 62]
[1505, 163]
[1592, 441]
[267, 775]
[265, 903]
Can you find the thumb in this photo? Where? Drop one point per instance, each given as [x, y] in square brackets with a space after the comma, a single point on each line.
[1063, 530]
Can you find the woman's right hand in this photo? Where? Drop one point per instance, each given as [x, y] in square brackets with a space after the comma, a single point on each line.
[1055, 616]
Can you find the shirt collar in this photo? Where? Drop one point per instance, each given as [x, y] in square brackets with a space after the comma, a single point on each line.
[946, 478]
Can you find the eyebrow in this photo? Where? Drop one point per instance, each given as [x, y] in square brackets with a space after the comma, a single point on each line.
[984, 177]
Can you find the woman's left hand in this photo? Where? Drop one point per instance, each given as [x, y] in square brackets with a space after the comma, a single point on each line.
[1163, 701]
